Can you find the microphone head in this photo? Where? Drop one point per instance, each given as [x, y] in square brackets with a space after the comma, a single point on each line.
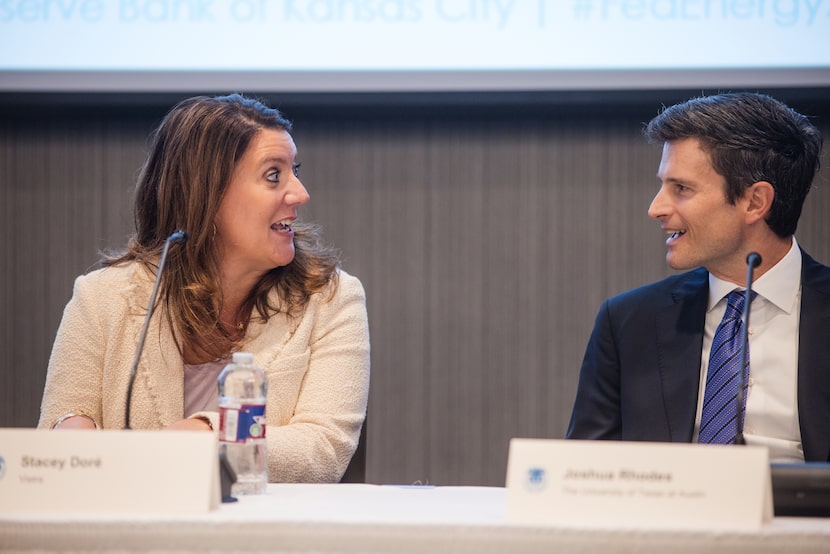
[177, 236]
[753, 259]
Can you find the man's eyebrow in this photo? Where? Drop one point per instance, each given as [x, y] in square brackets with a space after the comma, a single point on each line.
[670, 179]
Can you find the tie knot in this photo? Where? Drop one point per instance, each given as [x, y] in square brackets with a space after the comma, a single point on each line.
[735, 303]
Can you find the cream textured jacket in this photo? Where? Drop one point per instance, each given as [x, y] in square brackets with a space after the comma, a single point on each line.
[317, 367]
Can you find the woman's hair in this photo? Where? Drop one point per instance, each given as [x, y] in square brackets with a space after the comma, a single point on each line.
[181, 185]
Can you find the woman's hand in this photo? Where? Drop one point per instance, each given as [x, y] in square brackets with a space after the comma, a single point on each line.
[190, 424]
[75, 422]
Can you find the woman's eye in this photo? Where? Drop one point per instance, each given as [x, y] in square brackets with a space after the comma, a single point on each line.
[296, 169]
[273, 176]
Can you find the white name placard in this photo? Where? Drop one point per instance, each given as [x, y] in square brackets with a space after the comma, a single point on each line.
[108, 471]
[637, 484]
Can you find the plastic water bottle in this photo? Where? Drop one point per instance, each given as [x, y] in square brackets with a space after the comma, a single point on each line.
[243, 388]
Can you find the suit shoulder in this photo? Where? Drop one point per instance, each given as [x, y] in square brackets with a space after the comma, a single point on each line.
[346, 285]
[109, 277]
[350, 280]
[127, 284]
[682, 283]
[815, 274]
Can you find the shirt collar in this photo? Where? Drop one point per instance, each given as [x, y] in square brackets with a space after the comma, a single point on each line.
[779, 285]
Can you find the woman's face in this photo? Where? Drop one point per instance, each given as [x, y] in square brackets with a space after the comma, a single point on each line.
[253, 224]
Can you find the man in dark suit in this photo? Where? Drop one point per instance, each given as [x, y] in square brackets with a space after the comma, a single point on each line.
[734, 174]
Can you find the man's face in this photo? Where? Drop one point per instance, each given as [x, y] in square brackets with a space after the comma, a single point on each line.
[691, 206]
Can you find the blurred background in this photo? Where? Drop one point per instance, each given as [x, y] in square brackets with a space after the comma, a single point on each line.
[479, 164]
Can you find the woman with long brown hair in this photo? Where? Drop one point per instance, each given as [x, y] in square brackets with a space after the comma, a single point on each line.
[249, 277]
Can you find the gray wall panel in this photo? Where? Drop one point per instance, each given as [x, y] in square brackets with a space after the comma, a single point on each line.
[485, 244]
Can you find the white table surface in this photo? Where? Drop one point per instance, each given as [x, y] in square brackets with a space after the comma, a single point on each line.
[378, 518]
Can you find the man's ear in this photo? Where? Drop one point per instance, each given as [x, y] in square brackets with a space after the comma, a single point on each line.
[759, 197]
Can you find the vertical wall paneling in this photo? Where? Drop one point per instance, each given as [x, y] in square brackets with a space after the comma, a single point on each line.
[486, 243]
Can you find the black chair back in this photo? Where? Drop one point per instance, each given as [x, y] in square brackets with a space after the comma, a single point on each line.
[356, 471]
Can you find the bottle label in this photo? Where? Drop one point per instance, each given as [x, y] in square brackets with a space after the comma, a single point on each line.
[245, 423]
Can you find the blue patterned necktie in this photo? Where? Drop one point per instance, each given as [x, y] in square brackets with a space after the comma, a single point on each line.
[717, 421]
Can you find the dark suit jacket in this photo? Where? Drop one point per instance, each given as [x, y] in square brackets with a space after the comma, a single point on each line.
[641, 372]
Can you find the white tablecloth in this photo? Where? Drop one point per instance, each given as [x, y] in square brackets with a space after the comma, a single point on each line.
[374, 518]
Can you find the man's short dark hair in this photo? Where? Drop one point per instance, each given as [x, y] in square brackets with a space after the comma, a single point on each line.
[750, 137]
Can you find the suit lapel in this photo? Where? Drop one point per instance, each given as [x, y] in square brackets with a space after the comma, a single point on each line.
[679, 342]
[814, 360]
[164, 370]
[158, 396]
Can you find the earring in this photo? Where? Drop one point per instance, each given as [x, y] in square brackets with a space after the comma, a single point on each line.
[214, 232]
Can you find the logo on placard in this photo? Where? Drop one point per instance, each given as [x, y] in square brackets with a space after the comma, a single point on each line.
[255, 430]
[536, 480]
[2, 467]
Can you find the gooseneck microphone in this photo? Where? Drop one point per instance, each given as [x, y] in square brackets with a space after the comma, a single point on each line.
[753, 260]
[177, 236]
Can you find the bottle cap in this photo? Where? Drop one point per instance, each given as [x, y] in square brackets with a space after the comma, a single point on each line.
[244, 358]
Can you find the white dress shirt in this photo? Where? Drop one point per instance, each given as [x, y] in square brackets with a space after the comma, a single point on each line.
[771, 401]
